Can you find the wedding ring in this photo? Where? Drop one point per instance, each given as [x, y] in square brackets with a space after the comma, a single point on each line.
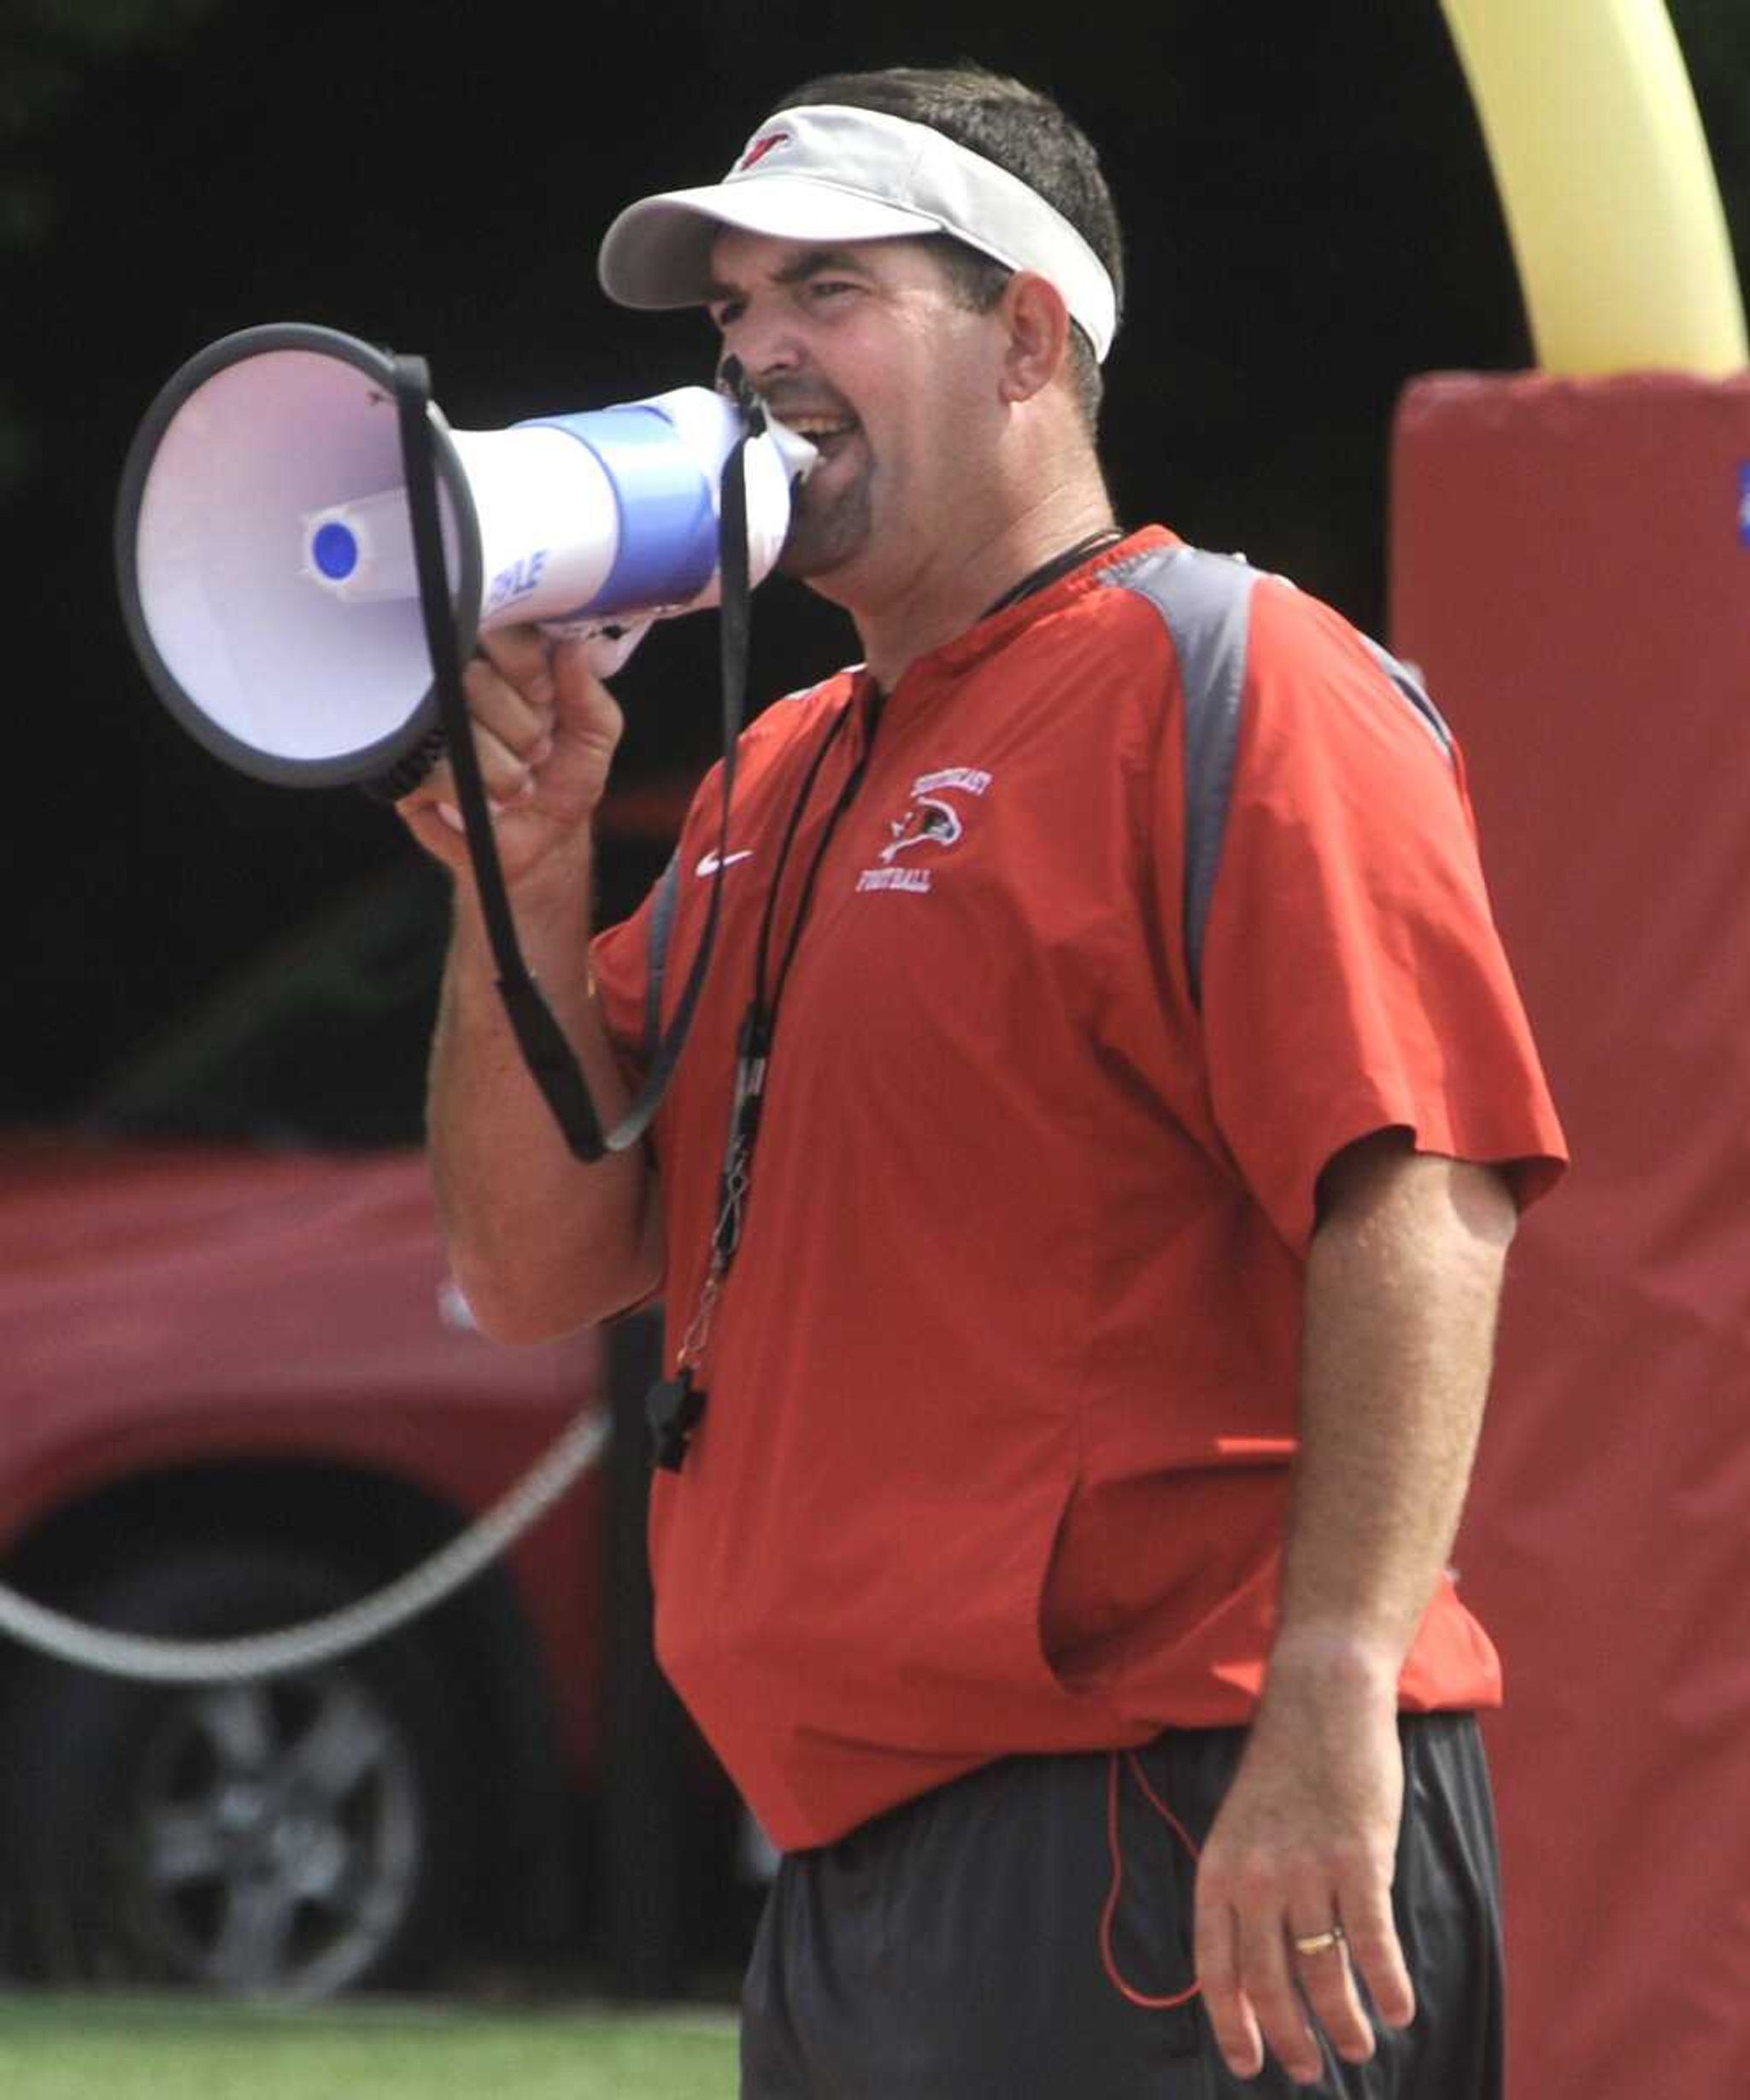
[1317, 1943]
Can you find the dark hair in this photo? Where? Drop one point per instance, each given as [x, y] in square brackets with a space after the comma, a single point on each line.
[1023, 130]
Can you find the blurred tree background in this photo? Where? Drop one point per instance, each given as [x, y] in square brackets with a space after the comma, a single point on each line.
[1311, 222]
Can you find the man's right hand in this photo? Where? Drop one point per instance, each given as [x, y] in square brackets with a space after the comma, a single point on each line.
[545, 730]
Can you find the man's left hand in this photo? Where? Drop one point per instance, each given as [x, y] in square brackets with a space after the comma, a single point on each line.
[1305, 1843]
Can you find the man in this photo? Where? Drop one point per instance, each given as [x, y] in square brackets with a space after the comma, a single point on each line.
[1088, 1267]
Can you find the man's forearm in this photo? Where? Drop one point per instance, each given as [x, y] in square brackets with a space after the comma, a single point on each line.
[1403, 1282]
[540, 1242]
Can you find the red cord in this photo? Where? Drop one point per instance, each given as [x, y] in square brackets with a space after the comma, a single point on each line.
[1109, 1912]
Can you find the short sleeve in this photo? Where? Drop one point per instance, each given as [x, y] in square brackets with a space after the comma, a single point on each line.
[1353, 976]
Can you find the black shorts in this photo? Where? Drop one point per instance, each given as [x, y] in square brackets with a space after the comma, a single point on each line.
[953, 1949]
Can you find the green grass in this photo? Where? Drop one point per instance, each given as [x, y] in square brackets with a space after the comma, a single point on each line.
[105, 2048]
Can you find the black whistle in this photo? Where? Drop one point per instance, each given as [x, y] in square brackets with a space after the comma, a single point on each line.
[674, 1406]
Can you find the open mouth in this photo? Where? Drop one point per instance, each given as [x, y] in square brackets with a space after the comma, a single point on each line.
[827, 434]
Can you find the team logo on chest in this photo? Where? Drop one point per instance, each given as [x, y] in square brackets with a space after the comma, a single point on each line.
[932, 822]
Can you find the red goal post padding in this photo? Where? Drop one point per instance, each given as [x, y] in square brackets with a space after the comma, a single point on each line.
[1571, 570]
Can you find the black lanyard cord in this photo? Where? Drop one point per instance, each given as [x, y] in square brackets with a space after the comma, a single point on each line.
[847, 796]
[762, 949]
[676, 1405]
[1036, 580]
[1059, 565]
[759, 1025]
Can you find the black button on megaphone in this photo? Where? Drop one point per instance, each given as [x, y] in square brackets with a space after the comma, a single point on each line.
[265, 557]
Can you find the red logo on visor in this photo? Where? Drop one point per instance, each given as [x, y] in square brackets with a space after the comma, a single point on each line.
[767, 143]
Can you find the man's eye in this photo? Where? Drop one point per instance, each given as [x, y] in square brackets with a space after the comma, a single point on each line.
[725, 312]
[830, 287]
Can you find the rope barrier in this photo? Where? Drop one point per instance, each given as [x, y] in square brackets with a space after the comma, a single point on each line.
[148, 1659]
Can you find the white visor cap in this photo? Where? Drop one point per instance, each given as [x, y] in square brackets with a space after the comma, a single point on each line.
[829, 174]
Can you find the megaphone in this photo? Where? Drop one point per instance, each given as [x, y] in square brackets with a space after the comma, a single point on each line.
[264, 553]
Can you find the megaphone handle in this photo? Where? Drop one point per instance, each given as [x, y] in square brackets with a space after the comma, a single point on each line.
[609, 649]
[549, 1056]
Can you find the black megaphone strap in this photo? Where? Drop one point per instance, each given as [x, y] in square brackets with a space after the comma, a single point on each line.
[549, 1056]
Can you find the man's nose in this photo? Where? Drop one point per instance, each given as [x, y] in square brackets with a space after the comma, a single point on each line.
[765, 340]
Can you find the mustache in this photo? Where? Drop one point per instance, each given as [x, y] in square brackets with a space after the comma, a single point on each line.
[785, 400]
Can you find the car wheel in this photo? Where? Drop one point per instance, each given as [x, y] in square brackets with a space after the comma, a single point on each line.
[293, 1837]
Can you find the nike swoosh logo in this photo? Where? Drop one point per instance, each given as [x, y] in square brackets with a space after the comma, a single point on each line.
[709, 863]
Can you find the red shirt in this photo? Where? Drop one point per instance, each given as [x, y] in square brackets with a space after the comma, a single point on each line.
[1004, 1383]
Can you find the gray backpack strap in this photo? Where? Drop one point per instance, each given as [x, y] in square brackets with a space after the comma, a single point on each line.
[662, 905]
[1205, 602]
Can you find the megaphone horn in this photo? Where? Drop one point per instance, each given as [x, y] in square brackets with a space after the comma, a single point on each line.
[265, 557]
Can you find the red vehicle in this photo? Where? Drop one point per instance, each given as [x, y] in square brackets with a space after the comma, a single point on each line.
[237, 1390]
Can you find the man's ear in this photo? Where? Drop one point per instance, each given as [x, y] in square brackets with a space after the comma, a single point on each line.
[1038, 324]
